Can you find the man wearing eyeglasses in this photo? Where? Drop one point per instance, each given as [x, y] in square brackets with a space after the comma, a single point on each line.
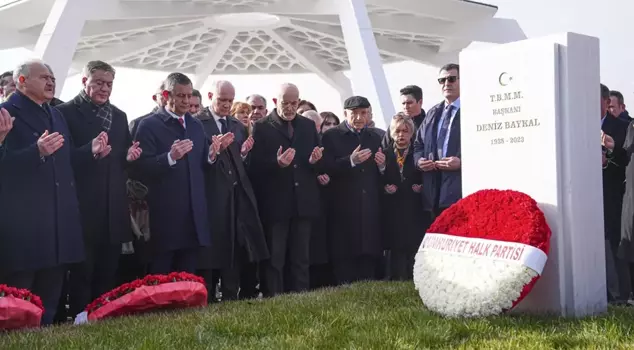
[437, 146]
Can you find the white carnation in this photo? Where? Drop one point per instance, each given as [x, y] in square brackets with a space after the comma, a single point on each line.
[464, 286]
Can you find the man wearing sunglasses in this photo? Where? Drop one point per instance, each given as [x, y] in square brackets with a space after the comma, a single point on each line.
[437, 146]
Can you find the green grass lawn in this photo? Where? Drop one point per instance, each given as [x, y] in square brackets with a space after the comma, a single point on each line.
[375, 315]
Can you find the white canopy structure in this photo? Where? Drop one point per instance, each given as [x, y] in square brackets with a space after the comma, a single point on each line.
[203, 37]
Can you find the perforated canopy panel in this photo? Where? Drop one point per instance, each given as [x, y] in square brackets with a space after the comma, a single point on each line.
[259, 36]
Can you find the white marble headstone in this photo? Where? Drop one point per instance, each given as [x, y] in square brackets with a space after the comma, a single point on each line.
[530, 122]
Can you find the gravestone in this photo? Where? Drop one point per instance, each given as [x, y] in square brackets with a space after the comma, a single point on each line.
[531, 122]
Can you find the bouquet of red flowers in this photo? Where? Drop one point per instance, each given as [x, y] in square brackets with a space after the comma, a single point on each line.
[176, 290]
[19, 308]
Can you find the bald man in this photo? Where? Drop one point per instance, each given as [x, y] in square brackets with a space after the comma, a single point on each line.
[237, 236]
[284, 166]
[217, 119]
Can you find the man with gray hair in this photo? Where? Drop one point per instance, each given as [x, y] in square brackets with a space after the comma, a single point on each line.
[217, 119]
[101, 185]
[237, 239]
[36, 160]
[258, 107]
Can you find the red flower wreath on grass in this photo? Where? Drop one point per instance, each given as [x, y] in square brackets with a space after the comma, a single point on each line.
[19, 308]
[496, 215]
[24, 294]
[178, 289]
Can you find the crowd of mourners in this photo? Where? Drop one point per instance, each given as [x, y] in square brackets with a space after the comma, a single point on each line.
[258, 197]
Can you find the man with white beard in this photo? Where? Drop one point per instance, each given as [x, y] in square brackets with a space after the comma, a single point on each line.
[284, 168]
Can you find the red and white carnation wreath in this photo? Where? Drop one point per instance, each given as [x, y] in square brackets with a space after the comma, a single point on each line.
[482, 255]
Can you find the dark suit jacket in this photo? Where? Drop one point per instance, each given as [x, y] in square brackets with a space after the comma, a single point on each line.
[134, 124]
[40, 226]
[55, 102]
[355, 193]
[176, 194]
[233, 125]
[233, 210]
[614, 178]
[284, 193]
[441, 187]
[101, 185]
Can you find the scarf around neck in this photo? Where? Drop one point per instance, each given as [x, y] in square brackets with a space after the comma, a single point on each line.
[104, 112]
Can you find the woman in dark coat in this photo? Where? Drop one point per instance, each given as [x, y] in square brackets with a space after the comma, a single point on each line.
[404, 220]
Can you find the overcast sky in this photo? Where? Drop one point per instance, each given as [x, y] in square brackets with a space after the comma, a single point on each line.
[609, 20]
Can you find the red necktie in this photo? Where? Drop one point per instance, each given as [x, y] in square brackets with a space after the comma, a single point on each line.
[182, 121]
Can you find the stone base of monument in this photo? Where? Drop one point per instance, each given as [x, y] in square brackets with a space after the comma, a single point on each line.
[530, 122]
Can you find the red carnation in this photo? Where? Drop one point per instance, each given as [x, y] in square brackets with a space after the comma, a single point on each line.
[177, 289]
[490, 231]
[19, 308]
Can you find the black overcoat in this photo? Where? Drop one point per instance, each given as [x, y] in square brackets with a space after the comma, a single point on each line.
[232, 206]
[40, 225]
[404, 219]
[354, 207]
[291, 192]
[614, 178]
[101, 185]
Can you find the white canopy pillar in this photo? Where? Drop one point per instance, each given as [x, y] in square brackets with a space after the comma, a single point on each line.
[368, 77]
[60, 35]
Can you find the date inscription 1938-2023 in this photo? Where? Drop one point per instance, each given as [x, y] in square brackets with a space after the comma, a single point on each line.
[507, 105]
[502, 140]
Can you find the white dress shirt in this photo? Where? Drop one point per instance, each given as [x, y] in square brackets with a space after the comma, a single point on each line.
[217, 119]
[171, 161]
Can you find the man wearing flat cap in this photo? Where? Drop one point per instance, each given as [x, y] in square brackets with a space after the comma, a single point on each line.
[354, 161]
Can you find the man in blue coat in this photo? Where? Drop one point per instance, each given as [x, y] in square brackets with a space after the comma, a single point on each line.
[40, 229]
[437, 146]
[175, 154]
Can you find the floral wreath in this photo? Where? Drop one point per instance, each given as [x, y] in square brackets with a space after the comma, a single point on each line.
[149, 280]
[24, 294]
[19, 308]
[482, 255]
